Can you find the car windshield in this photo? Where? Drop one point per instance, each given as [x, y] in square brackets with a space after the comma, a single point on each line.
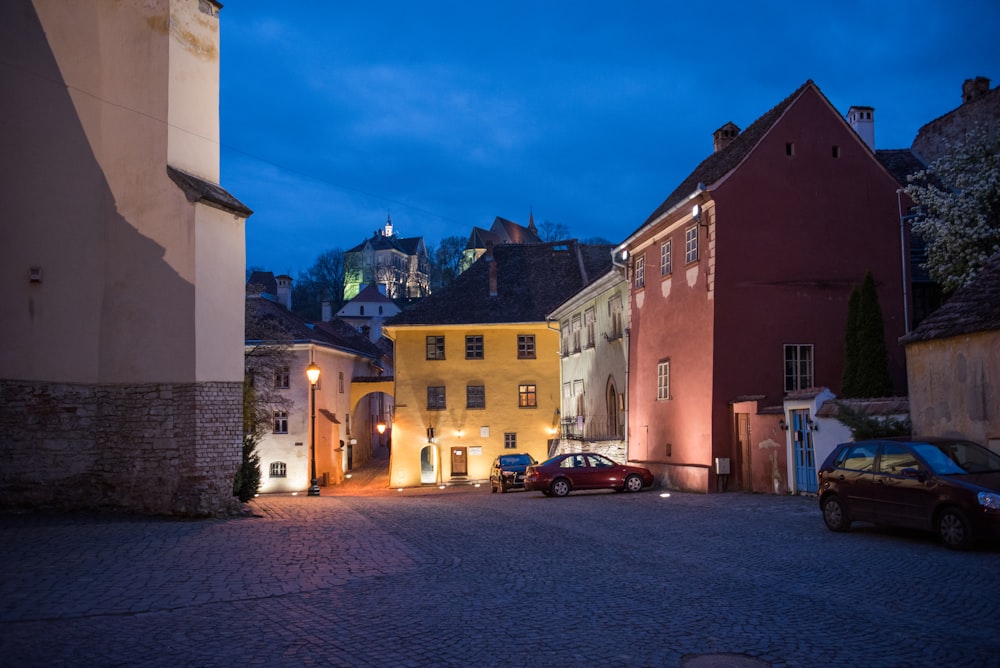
[958, 457]
[516, 460]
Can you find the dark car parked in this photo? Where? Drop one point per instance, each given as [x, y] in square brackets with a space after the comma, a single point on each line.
[508, 472]
[948, 486]
[562, 473]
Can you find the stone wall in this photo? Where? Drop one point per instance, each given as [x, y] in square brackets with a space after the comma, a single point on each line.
[163, 449]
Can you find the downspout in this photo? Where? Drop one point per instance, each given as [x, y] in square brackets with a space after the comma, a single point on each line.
[902, 253]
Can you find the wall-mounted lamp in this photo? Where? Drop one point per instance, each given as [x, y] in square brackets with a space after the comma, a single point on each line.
[380, 427]
[782, 425]
[458, 433]
[696, 212]
[430, 434]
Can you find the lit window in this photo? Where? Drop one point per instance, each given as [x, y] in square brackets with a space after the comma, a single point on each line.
[435, 398]
[527, 396]
[280, 422]
[525, 346]
[798, 366]
[475, 396]
[691, 244]
[639, 271]
[510, 441]
[435, 347]
[281, 375]
[663, 380]
[474, 347]
[666, 258]
[278, 470]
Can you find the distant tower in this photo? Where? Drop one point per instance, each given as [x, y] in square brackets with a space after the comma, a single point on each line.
[388, 224]
[862, 119]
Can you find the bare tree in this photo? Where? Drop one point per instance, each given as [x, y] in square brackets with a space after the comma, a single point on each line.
[446, 260]
[323, 281]
[550, 231]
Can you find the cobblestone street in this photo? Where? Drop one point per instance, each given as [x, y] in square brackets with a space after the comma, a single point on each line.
[468, 578]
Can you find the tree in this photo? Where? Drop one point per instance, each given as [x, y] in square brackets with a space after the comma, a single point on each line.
[323, 281]
[550, 231]
[267, 352]
[446, 261]
[866, 361]
[864, 426]
[958, 208]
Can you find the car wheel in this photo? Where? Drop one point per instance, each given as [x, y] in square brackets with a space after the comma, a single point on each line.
[503, 487]
[633, 483]
[835, 514]
[559, 487]
[493, 488]
[954, 529]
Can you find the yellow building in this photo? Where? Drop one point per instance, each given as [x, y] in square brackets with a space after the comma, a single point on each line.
[477, 366]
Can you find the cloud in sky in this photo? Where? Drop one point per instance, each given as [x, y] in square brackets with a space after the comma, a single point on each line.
[589, 114]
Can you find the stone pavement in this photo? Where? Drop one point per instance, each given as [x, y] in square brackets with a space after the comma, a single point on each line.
[367, 576]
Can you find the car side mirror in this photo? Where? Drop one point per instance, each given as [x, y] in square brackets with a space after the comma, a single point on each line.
[911, 472]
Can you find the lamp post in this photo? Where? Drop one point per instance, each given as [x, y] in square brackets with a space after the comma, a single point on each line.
[312, 373]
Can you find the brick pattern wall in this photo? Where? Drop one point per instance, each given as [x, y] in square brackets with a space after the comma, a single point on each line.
[163, 449]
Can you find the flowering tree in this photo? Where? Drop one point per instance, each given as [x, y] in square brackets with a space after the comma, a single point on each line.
[958, 200]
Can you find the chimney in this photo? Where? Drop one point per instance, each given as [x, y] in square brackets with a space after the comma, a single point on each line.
[862, 119]
[327, 315]
[722, 137]
[491, 262]
[973, 89]
[284, 290]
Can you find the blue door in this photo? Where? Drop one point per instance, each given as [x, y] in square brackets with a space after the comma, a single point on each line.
[805, 457]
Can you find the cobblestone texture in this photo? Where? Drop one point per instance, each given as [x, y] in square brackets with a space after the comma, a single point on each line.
[467, 578]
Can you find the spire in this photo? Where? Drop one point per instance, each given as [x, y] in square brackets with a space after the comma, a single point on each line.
[531, 220]
[388, 224]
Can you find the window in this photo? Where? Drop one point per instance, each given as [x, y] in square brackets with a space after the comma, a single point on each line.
[281, 378]
[475, 396]
[435, 347]
[615, 313]
[568, 390]
[639, 270]
[340, 381]
[510, 441]
[565, 330]
[577, 326]
[691, 244]
[798, 366]
[836, 151]
[280, 422]
[474, 347]
[666, 258]
[789, 149]
[278, 470]
[589, 322]
[435, 398]
[526, 396]
[525, 346]
[663, 380]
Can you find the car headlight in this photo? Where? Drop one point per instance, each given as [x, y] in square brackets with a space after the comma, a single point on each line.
[989, 500]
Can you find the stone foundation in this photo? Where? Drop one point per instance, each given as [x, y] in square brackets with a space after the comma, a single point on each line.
[162, 449]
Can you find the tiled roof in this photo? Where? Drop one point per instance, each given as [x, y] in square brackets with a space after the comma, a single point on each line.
[264, 279]
[532, 279]
[973, 308]
[886, 406]
[335, 333]
[405, 245]
[370, 294]
[720, 163]
[502, 231]
[900, 163]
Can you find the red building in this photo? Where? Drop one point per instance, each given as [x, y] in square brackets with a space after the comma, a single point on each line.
[739, 289]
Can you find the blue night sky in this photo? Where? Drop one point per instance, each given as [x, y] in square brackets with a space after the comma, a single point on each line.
[447, 114]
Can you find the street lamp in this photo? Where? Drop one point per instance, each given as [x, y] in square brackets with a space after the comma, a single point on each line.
[312, 373]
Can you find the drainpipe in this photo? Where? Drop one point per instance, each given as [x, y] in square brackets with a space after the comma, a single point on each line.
[902, 253]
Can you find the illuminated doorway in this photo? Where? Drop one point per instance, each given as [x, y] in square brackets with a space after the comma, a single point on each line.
[428, 464]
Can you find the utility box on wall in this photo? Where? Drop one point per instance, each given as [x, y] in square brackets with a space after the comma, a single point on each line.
[722, 465]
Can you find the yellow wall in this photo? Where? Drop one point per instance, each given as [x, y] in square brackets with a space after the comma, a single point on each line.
[500, 372]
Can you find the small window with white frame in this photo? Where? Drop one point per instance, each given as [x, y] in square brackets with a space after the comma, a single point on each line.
[666, 258]
[639, 271]
[798, 366]
[281, 378]
[615, 313]
[510, 440]
[663, 380]
[280, 422]
[691, 244]
[589, 325]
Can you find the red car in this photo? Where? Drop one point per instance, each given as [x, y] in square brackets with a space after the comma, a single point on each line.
[584, 470]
